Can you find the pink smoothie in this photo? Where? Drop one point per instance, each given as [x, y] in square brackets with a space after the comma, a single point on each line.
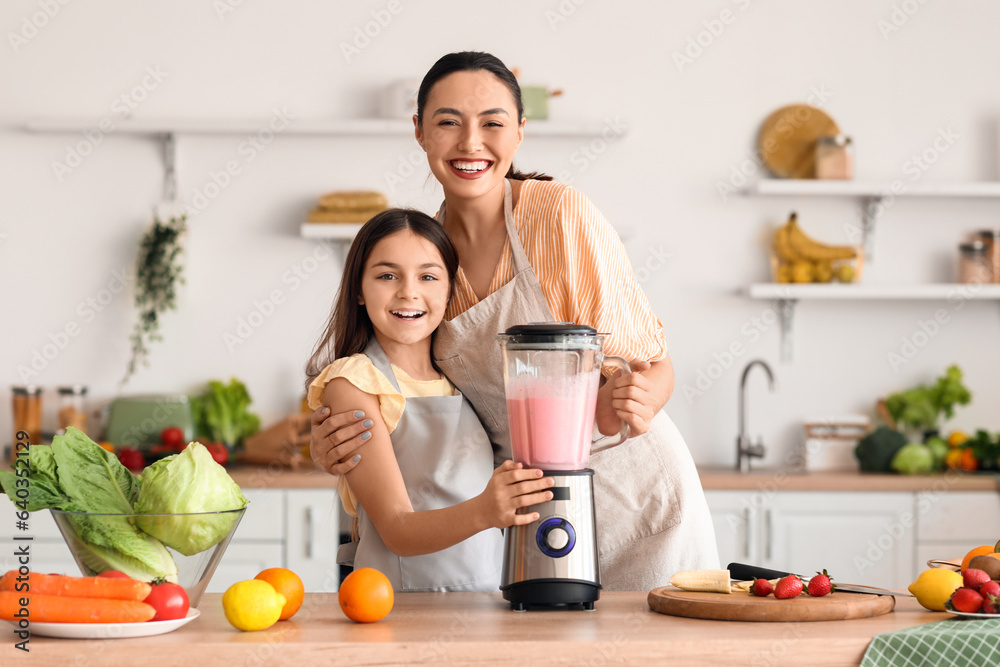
[553, 432]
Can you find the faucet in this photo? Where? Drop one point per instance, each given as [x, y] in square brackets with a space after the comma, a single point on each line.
[745, 448]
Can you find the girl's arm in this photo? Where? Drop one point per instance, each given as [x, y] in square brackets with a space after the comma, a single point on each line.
[635, 397]
[378, 484]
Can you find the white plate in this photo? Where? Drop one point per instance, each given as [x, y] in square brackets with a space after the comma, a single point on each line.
[110, 630]
[970, 614]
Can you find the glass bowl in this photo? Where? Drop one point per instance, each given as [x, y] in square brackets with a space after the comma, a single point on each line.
[181, 548]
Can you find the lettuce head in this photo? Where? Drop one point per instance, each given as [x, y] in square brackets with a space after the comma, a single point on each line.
[181, 484]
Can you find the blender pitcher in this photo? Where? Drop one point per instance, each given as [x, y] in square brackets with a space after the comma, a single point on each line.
[551, 377]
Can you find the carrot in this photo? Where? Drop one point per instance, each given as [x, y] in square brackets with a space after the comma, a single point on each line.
[79, 587]
[62, 609]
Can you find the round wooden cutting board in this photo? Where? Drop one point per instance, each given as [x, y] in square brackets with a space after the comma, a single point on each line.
[745, 607]
[788, 139]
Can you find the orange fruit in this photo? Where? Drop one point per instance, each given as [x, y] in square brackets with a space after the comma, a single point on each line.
[366, 595]
[978, 551]
[289, 585]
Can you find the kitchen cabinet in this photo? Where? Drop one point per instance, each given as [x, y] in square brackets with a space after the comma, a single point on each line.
[293, 528]
[862, 538]
[874, 196]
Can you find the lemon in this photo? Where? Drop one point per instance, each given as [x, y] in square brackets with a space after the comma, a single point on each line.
[824, 271]
[934, 586]
[252, 605]
[845, 273]
[803, 271]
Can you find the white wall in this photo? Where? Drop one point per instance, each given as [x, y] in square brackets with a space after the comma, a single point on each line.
[62, 240]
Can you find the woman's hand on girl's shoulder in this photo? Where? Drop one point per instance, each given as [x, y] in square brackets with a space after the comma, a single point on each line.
[336, 437]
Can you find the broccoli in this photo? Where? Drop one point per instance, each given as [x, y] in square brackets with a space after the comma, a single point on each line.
[876, 450]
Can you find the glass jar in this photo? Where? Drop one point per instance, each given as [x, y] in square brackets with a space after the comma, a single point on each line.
[835, 157]
[990, 239]
[973, 267]
[27, 408]
[71, 407]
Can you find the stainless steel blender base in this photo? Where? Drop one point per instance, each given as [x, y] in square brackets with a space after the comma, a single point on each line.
[553, 561]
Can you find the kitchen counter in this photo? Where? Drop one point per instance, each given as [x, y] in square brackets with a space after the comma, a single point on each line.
[479, 628]
[727, 479]
[712, 479]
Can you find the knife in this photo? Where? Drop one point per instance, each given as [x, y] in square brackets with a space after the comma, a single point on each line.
[742, 572]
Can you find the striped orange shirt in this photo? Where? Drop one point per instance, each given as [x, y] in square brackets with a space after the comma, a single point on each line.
[582, 267]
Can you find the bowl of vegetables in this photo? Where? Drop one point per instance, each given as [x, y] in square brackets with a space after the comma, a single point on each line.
[172, 523]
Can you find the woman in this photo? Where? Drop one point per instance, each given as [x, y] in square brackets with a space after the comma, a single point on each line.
[532, 250]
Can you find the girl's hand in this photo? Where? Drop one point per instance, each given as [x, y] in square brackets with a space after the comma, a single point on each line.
[336, 437]
[512, 487]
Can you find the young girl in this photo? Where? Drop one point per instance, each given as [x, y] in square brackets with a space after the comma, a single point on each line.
[422, 516]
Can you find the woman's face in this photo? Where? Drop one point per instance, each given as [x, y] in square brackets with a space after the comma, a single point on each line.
[470, 132]
[404, 288]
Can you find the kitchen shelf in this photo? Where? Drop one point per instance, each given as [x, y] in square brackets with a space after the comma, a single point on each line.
[874, 194]
[787, 296]
[332, 127]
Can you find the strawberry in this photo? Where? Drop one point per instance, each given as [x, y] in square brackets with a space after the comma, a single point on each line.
[761, 588]
[991, 604]
[967, 600]
[789, 587]
[820, 585]
[989, 588]
[973, 578]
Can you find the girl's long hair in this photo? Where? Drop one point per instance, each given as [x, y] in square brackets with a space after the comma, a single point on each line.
[349, 328]
[472, 61]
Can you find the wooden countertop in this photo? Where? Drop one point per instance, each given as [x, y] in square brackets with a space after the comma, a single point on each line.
[719, 479]
[712, 479]
[479, 628]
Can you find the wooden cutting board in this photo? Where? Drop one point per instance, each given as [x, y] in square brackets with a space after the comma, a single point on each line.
[788, 139]
[745, 607]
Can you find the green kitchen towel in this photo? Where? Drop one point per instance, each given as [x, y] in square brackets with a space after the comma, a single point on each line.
[957, 642]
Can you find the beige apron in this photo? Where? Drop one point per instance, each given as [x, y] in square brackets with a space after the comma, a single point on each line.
[444, 457]
[652, 518]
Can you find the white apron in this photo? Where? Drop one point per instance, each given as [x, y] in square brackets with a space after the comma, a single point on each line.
[652, 518]
[445, 458]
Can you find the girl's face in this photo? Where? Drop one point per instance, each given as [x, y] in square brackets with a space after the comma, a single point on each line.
[405, 289]
[470, 132]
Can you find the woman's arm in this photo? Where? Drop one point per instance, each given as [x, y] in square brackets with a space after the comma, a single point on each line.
[634, 397]
[336, 437]
[378, 484]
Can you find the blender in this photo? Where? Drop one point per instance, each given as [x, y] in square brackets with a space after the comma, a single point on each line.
[551, 376]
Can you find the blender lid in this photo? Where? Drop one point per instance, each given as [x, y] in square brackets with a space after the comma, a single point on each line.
[550, 329]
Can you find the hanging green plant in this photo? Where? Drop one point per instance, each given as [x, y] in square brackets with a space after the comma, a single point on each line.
[158, 272]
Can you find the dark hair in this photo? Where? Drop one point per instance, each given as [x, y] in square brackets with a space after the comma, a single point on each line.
[349, 328]
[472, 61]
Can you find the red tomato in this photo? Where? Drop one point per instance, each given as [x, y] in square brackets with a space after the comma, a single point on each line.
[131, 458]
[219, 452]
[114, 574]
[169, 600]
[173, 437]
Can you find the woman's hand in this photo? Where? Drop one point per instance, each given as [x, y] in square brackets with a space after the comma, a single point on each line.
[512, 487]
[634, 397]
[336, 437]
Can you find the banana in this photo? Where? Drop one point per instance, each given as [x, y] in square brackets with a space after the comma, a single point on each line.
[809, 248]
[782, 246]
[705, 581]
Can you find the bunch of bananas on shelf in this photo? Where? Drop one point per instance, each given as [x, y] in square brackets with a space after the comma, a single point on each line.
[802, 259]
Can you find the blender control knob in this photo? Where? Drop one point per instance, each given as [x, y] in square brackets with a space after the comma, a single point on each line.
[557, 538]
